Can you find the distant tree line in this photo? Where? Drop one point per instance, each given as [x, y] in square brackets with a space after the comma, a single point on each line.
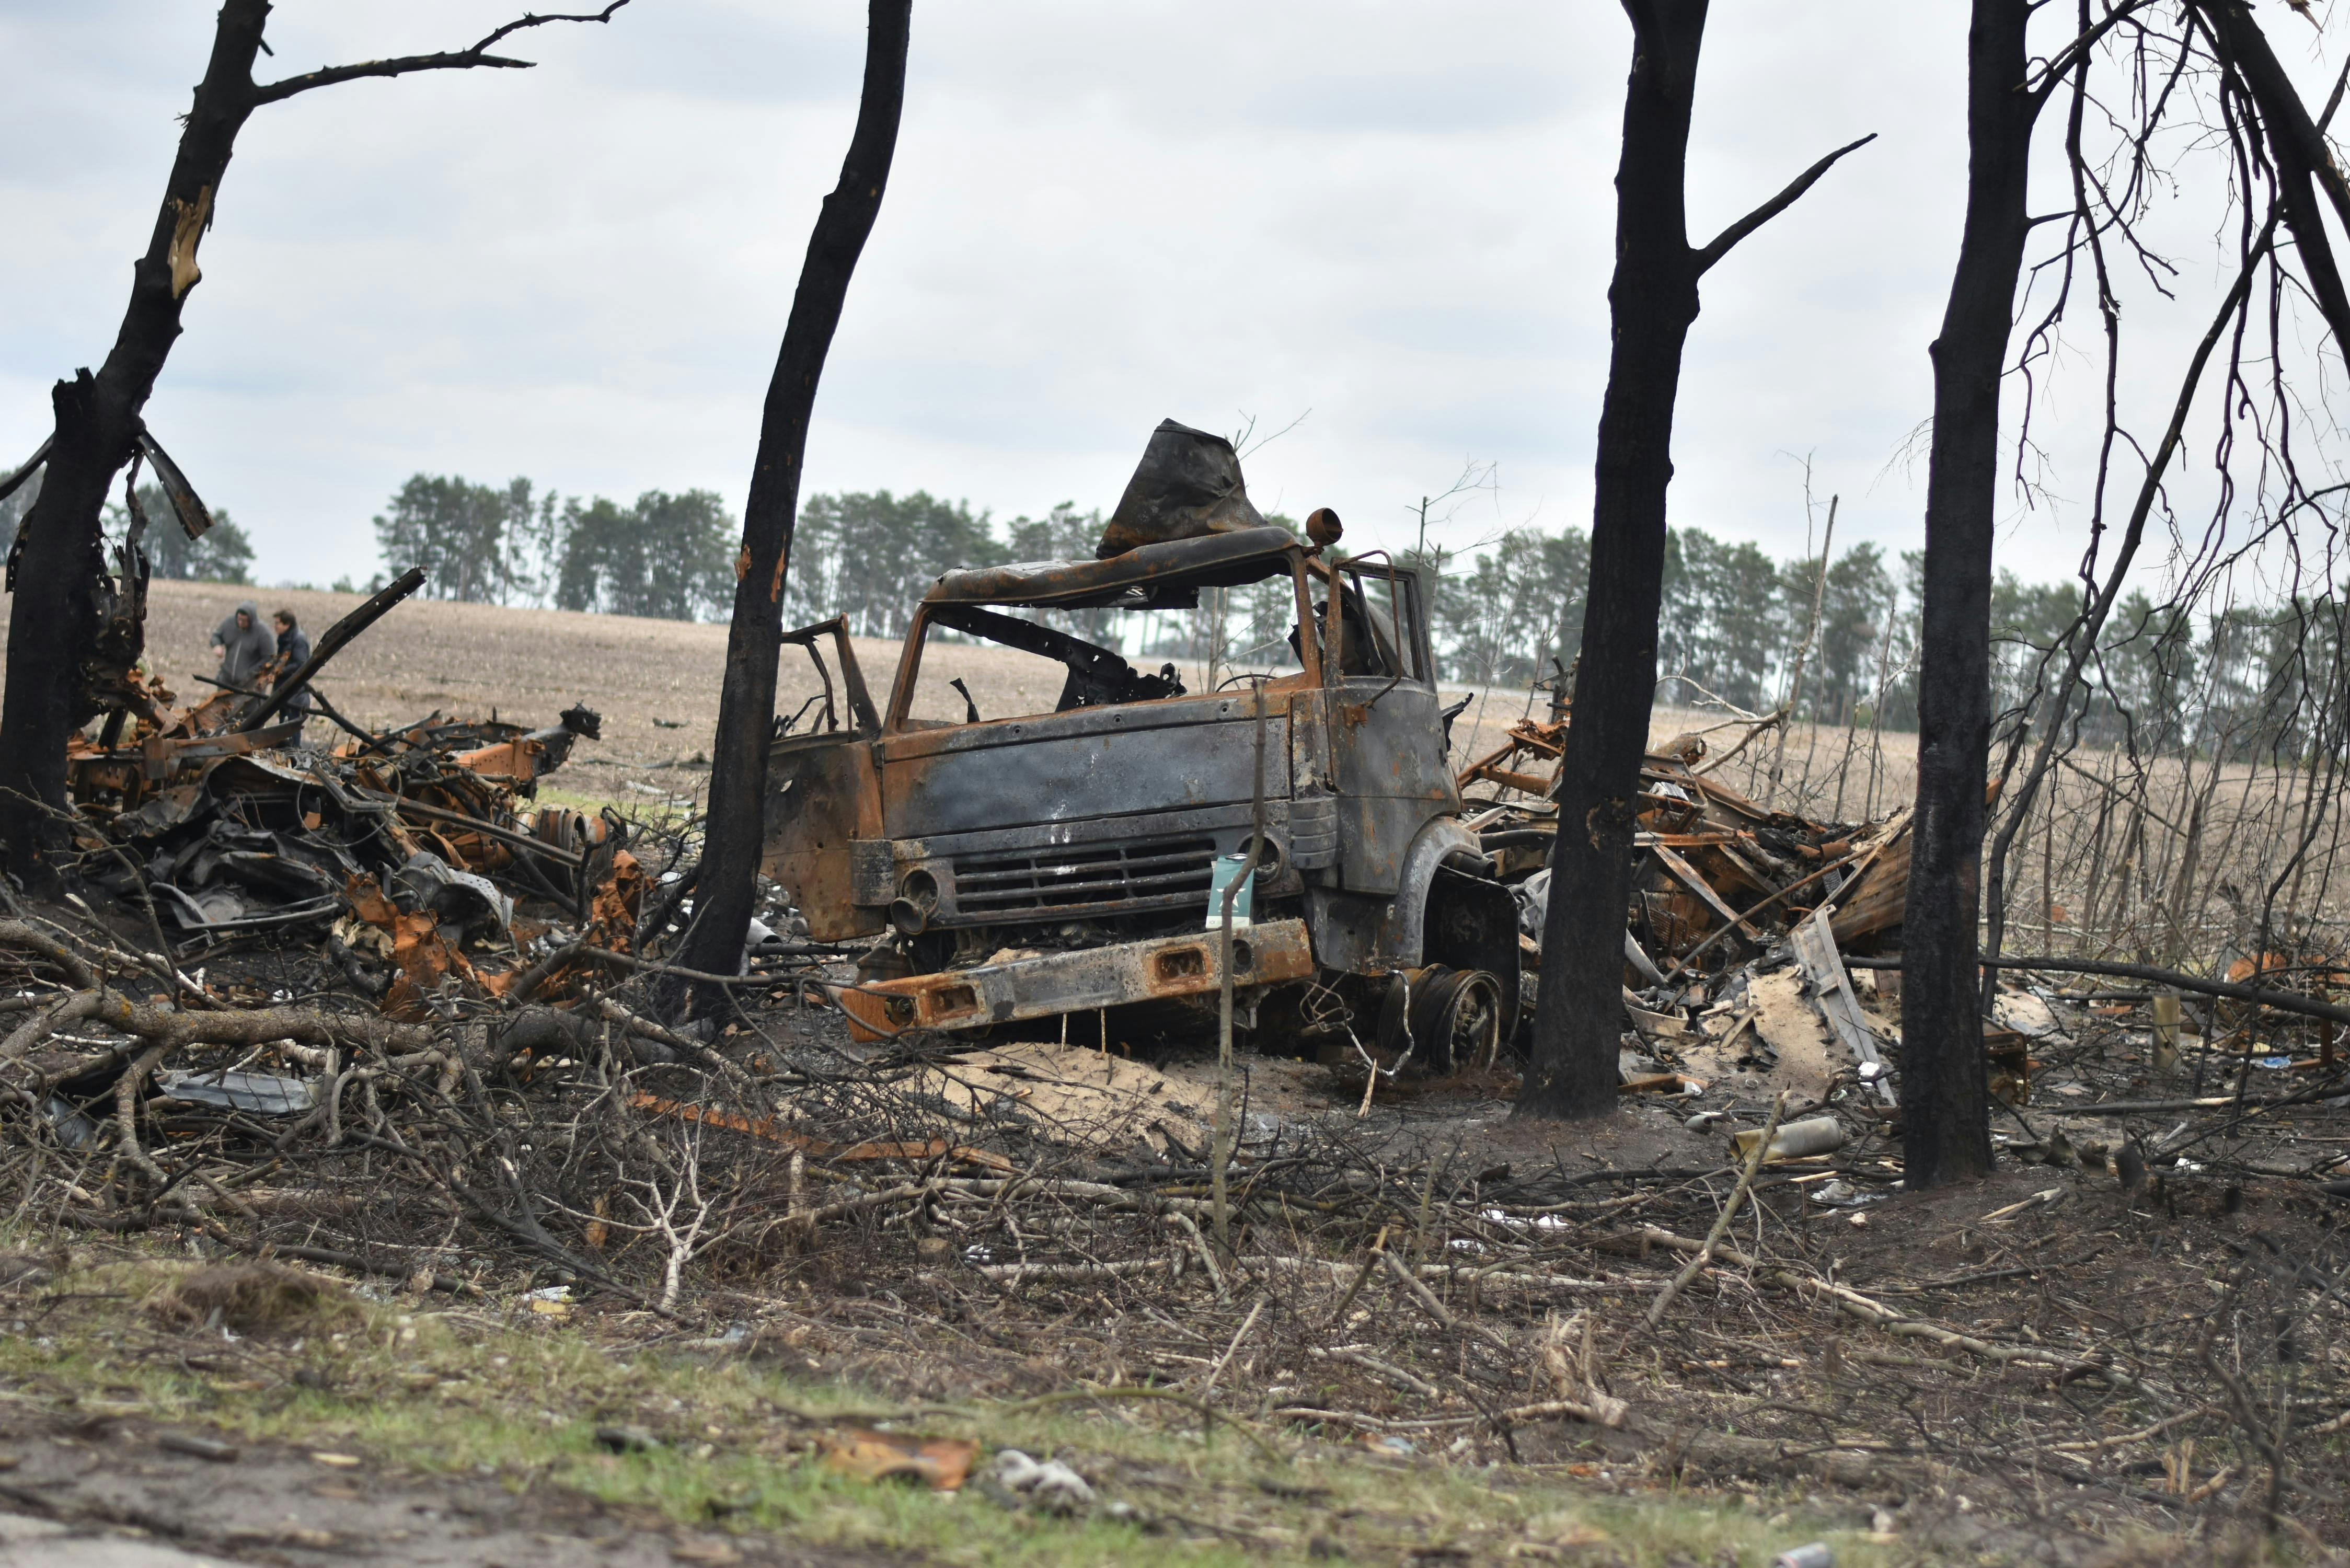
[1733, 619]
[665, 555]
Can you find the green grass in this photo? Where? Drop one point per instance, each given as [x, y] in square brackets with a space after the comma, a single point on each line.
[467, 1389]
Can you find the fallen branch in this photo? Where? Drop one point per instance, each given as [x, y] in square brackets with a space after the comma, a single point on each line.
[2140, 1435]
[61, 1011]
[1010, 1274]
[1737, 1199]
[18, 933]
[1548, 1409]
[357, 1265]
[2281, 1001]
[765, 1129]
[256, 1026]
[1395, 1375]
[1878, 1316]
[1434, 1308]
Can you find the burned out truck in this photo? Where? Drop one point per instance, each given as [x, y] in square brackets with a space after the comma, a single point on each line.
[1011, 870]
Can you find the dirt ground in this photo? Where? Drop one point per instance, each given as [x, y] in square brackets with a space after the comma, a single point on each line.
[89, 1484]
[2044, 1396]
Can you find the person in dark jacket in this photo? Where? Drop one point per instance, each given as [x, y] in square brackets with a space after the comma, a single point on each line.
[293, 653]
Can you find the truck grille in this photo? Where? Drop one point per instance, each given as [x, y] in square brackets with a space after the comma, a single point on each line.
[1160, 875]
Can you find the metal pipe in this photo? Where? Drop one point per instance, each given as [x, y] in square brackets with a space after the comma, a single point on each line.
[1222, 1158]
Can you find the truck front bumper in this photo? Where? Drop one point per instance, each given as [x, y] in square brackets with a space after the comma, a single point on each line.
[1052, 983]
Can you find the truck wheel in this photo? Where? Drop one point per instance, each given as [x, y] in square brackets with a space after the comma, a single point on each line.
[1446, 1018]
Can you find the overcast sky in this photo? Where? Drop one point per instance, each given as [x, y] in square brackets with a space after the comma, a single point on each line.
[1397, 216]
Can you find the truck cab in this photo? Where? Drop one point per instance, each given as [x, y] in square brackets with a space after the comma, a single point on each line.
[1062, 855]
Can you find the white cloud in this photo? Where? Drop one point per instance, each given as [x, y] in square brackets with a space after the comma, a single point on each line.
[1398, 215]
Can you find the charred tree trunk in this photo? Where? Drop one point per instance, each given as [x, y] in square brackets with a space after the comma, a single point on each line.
[1652, 302]
[746, 707]
[57, 571]
[1945, 1129]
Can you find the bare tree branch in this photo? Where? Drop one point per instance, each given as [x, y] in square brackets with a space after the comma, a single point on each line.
[1728, 237]
[456, 60]
[2065, 58]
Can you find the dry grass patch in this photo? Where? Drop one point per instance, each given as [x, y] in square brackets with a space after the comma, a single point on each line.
[253, 1299]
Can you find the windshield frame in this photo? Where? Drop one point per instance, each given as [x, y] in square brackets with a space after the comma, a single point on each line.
[910, 660]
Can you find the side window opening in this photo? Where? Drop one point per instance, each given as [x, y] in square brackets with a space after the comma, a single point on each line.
[835, 707]
[1381, 612]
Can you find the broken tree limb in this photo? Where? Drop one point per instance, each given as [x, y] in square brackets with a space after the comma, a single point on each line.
[433, 1280]
[195, 517]
[1206, 1412]
[167, 1031]
[477, 56]
[1517, 1415]
[258, 1026]
[1409, 1382]
[1232, 1349]
[337, 636]
[1738, 1194]
[2151, 1107]
[32, 465]
[1722, 242]
[42, 1025]
[1878, 1316]
[18, 933]
[2281, 1001]
[1010, 1274]
[1435, 1308]
[644, 1028]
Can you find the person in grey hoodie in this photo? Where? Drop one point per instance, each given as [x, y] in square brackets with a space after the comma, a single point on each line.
[245, 644]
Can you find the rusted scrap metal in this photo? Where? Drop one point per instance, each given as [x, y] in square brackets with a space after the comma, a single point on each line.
[1187, 485]
[1716, 868]
[1877, 896]
[1831, 991]
[1724, 888]
[1046, 985]
[409, 854]
[410, 845]
[1529, 739]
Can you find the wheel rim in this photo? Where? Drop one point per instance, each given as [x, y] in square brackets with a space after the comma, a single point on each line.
[1455, 1018]
[1465, 1010]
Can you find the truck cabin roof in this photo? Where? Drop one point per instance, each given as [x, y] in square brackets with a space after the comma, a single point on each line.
[1167, 576]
